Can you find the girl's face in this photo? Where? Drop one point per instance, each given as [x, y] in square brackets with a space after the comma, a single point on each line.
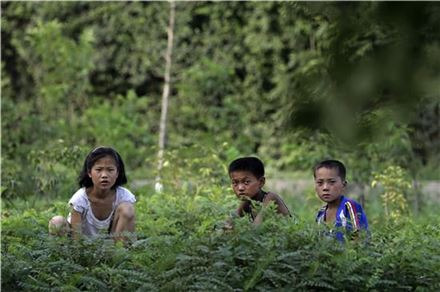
[104, 173]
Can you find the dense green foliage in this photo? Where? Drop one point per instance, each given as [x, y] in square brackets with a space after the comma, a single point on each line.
[181, 247]
[291, 82]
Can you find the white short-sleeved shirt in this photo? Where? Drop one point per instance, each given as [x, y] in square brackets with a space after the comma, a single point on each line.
[90, 225]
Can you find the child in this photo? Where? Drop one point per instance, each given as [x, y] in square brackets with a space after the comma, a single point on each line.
[247, 178]
[101, 205]
[340, 211]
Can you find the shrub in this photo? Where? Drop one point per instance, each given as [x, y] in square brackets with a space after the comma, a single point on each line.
[180, 247]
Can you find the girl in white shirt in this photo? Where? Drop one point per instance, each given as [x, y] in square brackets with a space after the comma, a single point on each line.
[101, 205]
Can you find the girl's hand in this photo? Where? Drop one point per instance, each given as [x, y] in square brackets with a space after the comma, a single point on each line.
[75, 221]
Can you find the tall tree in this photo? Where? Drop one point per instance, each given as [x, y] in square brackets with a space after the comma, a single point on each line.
[165, 95]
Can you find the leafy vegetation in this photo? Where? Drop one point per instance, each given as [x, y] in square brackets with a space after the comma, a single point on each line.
[290, 82]
[395, 185]
[182, 246]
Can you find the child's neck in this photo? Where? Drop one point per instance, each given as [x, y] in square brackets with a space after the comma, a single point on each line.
[334, 205]
[100, 194]
[259, 196]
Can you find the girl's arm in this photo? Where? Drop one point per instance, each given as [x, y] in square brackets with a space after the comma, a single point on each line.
[75, 221]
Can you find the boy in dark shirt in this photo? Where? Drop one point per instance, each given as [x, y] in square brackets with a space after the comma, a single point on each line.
[247, 179]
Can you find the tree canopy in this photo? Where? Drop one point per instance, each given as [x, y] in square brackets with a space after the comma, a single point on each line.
[292, 82]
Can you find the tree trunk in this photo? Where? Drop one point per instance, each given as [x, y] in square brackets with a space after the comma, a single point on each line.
[165, 96]
[416, 196]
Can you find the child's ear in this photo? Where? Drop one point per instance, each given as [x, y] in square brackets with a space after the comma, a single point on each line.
[262, 181]
[344, 183]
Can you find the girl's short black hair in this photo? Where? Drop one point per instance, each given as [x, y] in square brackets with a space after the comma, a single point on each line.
[336, 164]
[251, 164]
[85, 181]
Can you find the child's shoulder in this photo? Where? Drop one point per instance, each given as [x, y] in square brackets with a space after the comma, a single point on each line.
[125, 194]
[350, 201]
[79, 197]
[352, 204]
[271, 196]
[79, 194]
[123, 190]
[281, 205]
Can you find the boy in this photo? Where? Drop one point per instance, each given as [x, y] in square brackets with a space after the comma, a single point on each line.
[247, 179]
[340, 212]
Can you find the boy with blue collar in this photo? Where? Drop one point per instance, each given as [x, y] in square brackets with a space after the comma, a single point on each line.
[340, 212]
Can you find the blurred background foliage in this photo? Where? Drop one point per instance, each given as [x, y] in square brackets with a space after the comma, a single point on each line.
[291, 82]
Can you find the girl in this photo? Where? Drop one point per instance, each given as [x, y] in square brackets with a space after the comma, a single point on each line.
[101, 205]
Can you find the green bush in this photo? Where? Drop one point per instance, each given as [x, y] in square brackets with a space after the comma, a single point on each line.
[182, 247]
[42, 174]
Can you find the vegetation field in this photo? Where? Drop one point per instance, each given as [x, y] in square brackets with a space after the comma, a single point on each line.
[181, 246]
[290, 82]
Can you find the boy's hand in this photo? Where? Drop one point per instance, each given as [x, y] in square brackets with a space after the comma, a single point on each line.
[228, 225]
[243, 198]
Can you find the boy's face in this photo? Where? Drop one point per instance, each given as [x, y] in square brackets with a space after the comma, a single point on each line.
[328, 184]
[244, 183]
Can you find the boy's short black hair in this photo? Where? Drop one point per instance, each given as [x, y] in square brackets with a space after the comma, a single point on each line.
[85, 181]
[336, 164]
[251, 164]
